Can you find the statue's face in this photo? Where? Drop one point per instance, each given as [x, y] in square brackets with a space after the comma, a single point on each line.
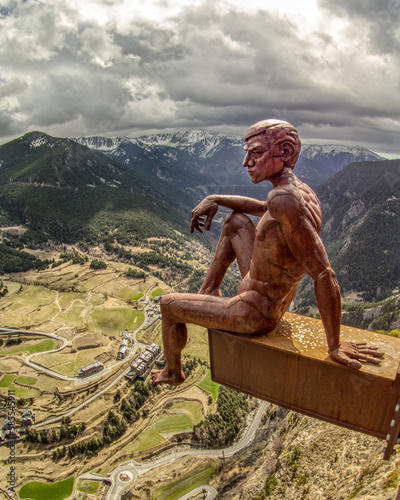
[260, 164]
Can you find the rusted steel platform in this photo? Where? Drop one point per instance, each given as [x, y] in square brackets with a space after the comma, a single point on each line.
[290, 367]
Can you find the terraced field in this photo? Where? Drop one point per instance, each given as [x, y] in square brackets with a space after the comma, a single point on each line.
[72, 301]
[69, 300]
[74, 296]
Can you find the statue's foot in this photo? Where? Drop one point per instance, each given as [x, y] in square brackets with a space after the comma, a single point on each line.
[166, 377]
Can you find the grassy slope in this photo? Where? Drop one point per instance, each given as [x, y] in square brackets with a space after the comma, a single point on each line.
[48, 491]
[186, 483]
[40, 346]
[208, 385]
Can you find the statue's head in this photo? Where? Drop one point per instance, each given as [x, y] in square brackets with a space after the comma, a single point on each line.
[281, 137]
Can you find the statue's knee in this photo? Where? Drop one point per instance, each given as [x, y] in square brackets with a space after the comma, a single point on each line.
[166, 300]
[237, 220]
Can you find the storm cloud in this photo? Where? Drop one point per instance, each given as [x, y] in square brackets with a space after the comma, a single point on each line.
[124, 68]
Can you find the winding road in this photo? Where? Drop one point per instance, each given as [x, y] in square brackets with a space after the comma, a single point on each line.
[127, 472]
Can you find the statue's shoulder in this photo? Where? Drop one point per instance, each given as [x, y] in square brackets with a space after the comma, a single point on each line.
[294, 190]
[292, 201]
[289, 190]
[284, 202]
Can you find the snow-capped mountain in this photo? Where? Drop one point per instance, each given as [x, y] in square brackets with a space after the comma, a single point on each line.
[317, 163]
[103, 144]
[310, 151]
[199, 143]
[204, 162]
[197, 160]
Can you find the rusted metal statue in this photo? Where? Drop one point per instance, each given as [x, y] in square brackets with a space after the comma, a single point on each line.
[272, 257]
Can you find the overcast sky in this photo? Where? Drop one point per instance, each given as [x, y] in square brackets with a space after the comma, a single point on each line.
[132, 67]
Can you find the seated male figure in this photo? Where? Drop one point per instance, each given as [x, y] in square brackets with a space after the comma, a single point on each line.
[272, 257]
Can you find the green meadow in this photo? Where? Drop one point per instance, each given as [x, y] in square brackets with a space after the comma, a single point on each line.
[49, 491]
[26, 380]
[6, 380]
[42, 346]
[208, 385]
[113, 321]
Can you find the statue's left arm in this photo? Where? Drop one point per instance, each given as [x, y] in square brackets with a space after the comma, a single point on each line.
[204, 212]
[303, 239]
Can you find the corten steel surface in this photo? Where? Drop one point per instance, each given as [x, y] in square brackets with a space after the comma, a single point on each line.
[290, 367]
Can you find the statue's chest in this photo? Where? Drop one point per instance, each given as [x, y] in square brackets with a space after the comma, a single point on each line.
[267, 227]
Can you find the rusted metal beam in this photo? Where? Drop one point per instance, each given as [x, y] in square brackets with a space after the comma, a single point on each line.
[290, 367]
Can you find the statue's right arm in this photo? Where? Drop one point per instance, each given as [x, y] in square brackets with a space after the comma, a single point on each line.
[209, 207]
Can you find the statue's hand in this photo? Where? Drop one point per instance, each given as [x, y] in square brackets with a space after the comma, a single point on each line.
[206, 208]
[351, 353]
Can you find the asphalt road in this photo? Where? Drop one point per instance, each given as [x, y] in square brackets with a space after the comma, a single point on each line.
[114, 493]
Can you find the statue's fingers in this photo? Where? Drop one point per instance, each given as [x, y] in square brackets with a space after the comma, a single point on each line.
[193, 222]
[198, 226]
[197, 223]
[364, 345]
[353, 363]
[208, 223]
[373, 351]
[370, 359]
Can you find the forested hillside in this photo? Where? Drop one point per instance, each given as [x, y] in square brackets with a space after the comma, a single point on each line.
[361, 231]
[63, 191]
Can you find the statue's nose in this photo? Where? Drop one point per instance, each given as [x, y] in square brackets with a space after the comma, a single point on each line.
[247, 160]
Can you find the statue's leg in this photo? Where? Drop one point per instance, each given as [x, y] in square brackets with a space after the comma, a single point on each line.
[236, 242]
[174, 340]
[246, 313]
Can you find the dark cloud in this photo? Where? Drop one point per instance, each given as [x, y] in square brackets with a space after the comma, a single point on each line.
[99, 68]
[379, 19]
[366, 9]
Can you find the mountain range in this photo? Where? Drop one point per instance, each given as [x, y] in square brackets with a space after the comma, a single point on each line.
[203, 162]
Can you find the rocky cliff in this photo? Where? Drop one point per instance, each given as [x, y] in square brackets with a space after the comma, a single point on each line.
[296, 457]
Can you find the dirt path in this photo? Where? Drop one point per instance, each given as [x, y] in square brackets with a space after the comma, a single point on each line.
[61, 311]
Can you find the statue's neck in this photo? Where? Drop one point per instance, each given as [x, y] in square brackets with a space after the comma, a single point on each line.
[285, 176]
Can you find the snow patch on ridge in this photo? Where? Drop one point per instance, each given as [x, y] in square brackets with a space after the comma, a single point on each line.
[40, 141]
[313, 150]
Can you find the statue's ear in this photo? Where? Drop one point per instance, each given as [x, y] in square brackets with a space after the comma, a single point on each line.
[287, 150]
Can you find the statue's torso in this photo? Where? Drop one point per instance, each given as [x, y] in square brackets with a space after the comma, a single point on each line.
[275, 272]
